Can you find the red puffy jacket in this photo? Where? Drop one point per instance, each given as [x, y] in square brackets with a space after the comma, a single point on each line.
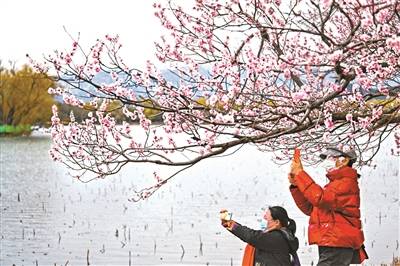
[334, 210]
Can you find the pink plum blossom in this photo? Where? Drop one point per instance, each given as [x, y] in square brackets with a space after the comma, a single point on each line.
[242, 73]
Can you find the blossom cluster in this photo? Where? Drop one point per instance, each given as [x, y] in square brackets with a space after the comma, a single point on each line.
[243, 71]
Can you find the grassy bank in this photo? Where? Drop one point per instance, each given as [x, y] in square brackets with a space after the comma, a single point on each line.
[9, 130]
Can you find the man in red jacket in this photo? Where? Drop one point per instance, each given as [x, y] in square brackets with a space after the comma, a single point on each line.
[334, 210]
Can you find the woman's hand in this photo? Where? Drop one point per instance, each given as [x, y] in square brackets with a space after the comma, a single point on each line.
[223, 214]
[296, 167]
[292, 179]
[226, 219]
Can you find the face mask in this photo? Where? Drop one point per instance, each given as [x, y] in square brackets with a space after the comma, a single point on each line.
[263, 224]
[328, 164]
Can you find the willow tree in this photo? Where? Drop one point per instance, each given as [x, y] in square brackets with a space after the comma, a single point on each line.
[23, 96]
[264, 73]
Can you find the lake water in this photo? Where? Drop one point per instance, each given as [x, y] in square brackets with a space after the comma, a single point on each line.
[48, 218]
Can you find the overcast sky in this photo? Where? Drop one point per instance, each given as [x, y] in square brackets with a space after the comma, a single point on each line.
[36, 26]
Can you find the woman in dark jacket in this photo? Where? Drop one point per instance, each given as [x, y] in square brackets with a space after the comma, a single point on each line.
[272, 246]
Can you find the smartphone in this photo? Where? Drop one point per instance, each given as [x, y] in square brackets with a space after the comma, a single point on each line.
[296, 156]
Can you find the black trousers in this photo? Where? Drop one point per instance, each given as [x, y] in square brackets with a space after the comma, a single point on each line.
[336, 256]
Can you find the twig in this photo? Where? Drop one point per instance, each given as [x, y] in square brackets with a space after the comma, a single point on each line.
[183, 252]
[87, 258]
